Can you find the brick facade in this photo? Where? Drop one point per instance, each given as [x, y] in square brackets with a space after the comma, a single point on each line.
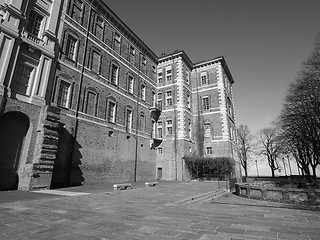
[82, 95]
[118, 73]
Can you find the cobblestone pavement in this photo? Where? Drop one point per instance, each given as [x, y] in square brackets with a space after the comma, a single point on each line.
[153, 213]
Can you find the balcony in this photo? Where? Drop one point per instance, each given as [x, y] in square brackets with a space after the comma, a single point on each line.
[155, 142]
[155, 112]
[32, 38]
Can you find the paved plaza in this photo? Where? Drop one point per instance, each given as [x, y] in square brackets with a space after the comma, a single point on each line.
[166, 211]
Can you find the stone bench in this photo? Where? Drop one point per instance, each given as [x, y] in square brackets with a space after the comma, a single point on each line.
[151, 184]
[122, 186]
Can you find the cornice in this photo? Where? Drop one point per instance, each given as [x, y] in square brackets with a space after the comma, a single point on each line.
[177, 54]
[104, 10]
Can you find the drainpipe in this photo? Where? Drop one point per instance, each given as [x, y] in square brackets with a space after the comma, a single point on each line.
[79, 95]
[137, 125]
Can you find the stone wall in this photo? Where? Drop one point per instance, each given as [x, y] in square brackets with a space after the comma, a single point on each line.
[311, 196]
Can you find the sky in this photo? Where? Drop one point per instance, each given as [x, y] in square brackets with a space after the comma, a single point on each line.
[264, 43]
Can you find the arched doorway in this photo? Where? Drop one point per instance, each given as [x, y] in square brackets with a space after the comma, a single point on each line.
[13, 129]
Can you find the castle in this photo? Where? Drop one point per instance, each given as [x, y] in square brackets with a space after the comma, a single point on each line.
[85, 100]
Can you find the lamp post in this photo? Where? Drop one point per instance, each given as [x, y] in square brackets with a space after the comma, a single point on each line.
[257, 168]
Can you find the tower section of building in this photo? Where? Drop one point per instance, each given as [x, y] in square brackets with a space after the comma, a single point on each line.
[214, 107]
[175, 123]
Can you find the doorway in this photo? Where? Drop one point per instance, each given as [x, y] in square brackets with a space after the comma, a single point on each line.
[13, 129]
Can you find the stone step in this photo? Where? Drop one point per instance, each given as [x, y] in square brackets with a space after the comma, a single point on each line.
[203, 197]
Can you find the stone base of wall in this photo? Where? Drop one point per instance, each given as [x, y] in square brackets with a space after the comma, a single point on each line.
[279, 195]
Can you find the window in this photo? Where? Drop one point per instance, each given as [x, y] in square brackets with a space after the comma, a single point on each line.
[189, 129]
[95, 62]
[159, 77]
[209, 150]
[132, 53]
[144, 61]
[22, 79]
[34, 23]
[169, 98]
[153, 129]
[75, 10]
[160, 129]
[142, 122]
[168, 74]
[229, 107]
[188, 101]
[153, 98]
[64, 94]
[160, 105]
[98, 27]
[71, 47]
[91, 103]
[116, 42]
[203, 78]
[205, 103]
[130, 84]
[111, 112]
[143, 92]
[187, 76]
[227, 83]
[154, 69]
[207, 130]
[114, 74]
[128, 120]
[160, 150]
[169, 127]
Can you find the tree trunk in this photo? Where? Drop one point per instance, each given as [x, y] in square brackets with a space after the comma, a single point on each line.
[272, 172]
[314, 172]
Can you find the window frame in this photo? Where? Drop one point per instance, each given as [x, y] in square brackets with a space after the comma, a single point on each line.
[209, 150]
[129, 118]
[111, 105]
[71, 11]
[92, 61]
[18, 81]
[207, 129]
[159, 127]
[117, 42]
[204, 78]
[205, 102]
[143, 89]
[68, 46]
[169, 126]
[32, 25]
[116, 82]
[169, 99]
[68, 96]
[168, 74]
[130, 86]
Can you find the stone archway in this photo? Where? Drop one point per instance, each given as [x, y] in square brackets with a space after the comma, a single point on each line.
[13, 129]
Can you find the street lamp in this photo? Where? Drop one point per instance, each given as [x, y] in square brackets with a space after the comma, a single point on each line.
[257, 168]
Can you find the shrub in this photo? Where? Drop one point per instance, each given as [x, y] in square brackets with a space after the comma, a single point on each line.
[209, 167]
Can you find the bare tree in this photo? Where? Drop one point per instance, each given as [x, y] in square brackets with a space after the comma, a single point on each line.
[300, 117]
[244, 146]
[270, 146]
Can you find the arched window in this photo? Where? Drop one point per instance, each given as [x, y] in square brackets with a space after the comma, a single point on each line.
[111, 110]
[91, 102]
[142, 122]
